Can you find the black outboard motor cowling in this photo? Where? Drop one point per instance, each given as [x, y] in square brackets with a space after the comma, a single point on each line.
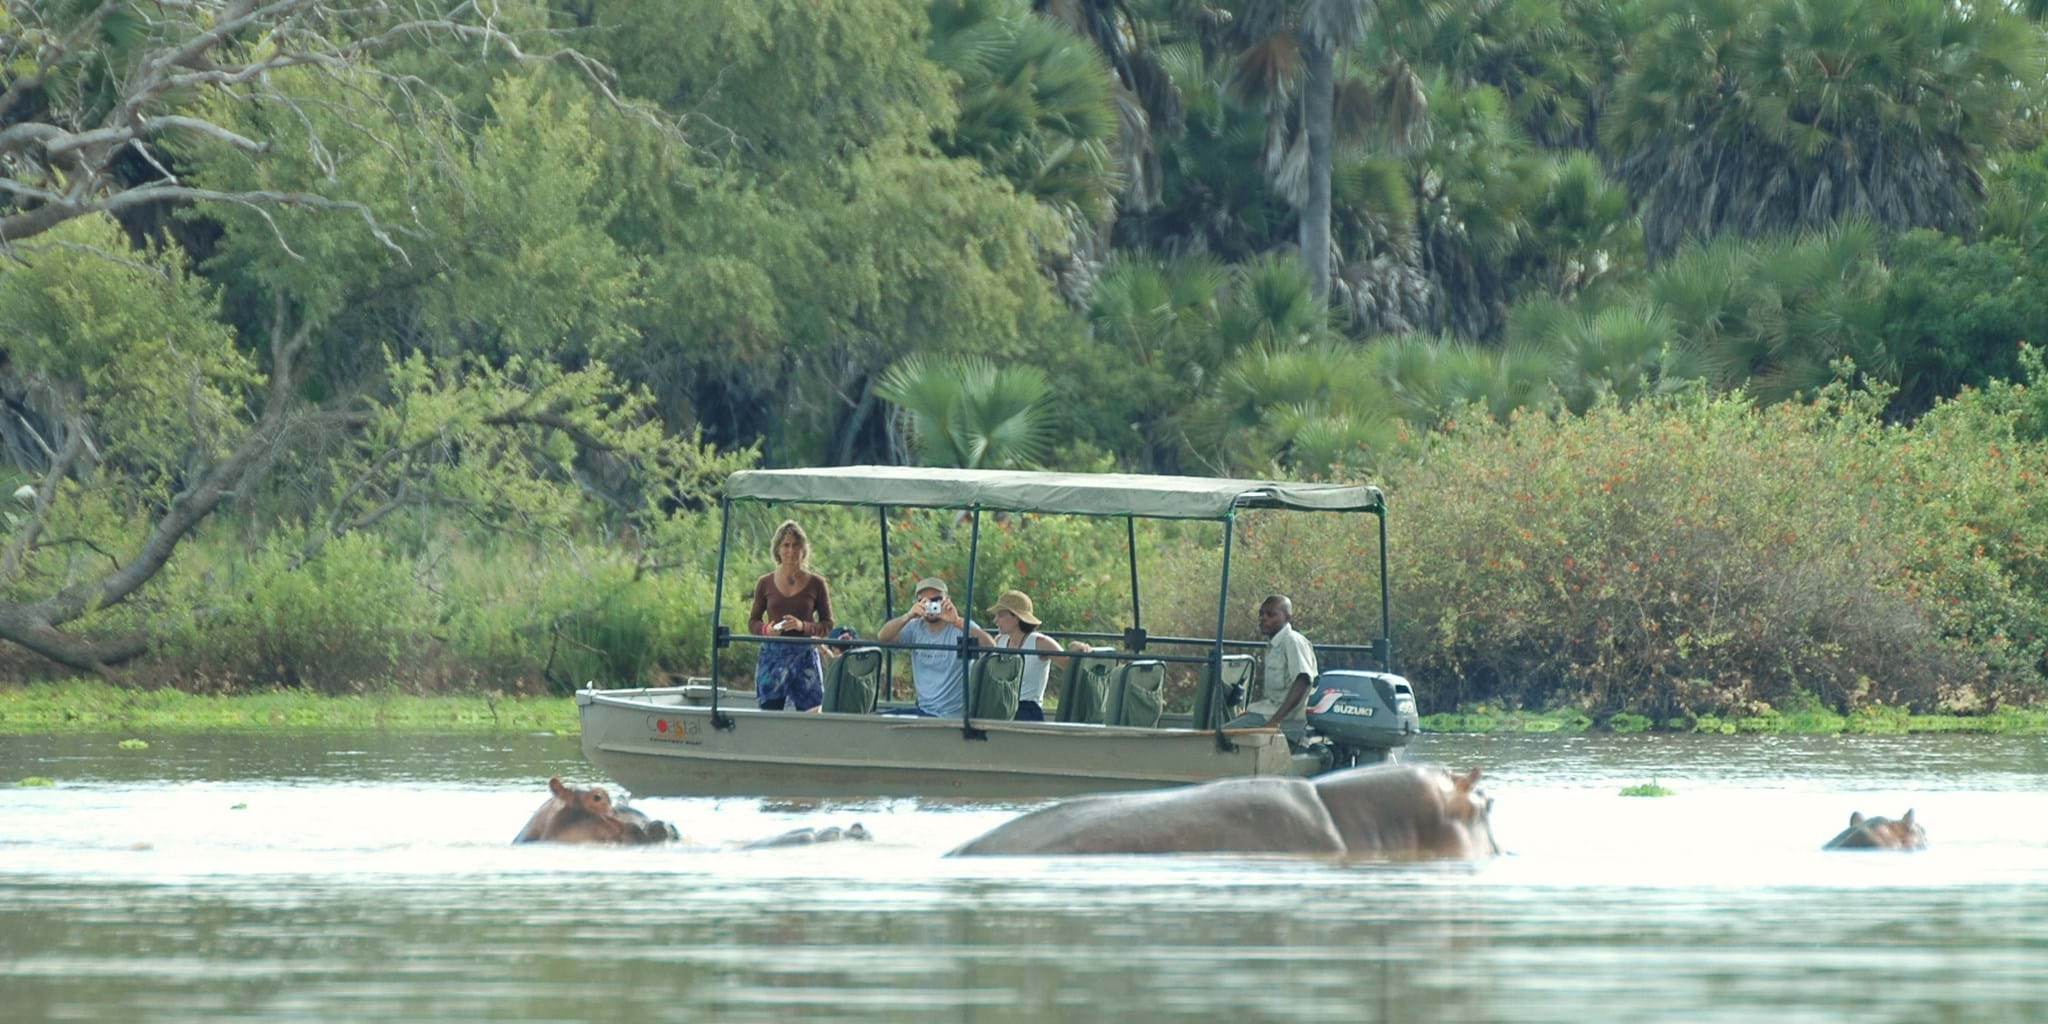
[1364, 715]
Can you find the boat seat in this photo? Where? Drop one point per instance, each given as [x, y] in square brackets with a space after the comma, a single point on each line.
[992, 692]
[851, 681]
[1136, 695]
[1212, 695]
[1086, 685]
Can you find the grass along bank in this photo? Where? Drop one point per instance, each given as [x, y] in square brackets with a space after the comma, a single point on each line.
[1869, 721]
[87, 706]
[84, 706]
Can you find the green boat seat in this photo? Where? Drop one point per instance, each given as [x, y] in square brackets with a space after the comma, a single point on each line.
[992, 692]
[852, 681]
[1081, 695]
[1212, 695]
[1136, 695]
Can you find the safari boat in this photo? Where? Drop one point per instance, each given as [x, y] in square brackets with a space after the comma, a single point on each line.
[1110, 731]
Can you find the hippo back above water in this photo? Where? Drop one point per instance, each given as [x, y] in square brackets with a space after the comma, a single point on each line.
[1880, 834]
[1406, 812]
[573, 815]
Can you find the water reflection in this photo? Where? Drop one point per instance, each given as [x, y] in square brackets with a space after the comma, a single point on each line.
[352, 878]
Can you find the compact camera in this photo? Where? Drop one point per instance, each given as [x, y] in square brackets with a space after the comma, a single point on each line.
[934, 607]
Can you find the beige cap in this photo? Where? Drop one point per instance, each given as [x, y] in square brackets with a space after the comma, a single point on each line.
[1016, 603]
[929, 583]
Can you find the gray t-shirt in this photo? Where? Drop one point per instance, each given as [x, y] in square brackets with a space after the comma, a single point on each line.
[940, 677]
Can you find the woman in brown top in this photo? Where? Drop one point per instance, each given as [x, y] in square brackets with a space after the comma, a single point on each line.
[791, 601]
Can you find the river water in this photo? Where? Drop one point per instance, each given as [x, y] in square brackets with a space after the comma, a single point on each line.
[358, 878]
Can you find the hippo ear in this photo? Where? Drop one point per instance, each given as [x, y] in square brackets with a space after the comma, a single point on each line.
[1907, 821]
[1468, 780]
[555, 786]
[1855, 819]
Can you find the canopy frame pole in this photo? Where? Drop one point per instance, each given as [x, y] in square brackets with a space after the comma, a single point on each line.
[888, 605]
[1386, 619]
[967, 644]
[1223, 741]
[720, 635]
[1131, 545]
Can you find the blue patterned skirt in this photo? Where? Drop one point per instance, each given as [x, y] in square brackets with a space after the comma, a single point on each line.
[790, 673]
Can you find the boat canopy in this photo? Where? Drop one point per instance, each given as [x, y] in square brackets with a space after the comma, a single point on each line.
[1081, 494]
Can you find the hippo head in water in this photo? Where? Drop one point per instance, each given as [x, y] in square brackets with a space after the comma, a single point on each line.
[573, 815]
[1880, 834]
[1399, 811]
[1386, 812]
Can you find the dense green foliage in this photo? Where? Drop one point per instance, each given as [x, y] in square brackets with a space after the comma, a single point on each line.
[1687, 337]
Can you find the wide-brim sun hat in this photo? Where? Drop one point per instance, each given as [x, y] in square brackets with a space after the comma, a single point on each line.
[1017, 603]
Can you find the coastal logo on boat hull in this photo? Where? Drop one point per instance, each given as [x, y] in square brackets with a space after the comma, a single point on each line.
[674, 730]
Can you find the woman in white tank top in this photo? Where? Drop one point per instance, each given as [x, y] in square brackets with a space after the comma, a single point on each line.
[1017, 629]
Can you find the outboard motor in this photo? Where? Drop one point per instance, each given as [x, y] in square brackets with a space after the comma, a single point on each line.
[1362, 716]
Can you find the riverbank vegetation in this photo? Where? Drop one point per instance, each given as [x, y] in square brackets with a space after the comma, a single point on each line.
[99, 707]
[352, 348]
[93, 706]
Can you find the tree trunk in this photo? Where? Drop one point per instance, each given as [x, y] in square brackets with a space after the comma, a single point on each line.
[1318, 98]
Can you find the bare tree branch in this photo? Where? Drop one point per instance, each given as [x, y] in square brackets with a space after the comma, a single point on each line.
[46, 496]
[230, 48]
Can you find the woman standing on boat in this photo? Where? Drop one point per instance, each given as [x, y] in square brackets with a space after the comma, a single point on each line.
[1017, 630]
[791, 601]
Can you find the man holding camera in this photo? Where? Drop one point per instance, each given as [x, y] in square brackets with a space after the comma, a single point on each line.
[937, 671]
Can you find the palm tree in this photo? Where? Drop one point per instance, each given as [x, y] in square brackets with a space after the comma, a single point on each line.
[1551, 59]
[1035, 102]
[1290, 59]
[1761, 116]
[1328, 27]
[1315, 409]
[1773, 316]
[1431, 377]
[1626, 350]
[970, 413]
[1156, 321]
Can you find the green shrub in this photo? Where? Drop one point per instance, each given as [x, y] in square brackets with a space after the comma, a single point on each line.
[1626, 723]
[559, 617]
[1650, 788]
[1691, 556]
[353, 614]
[1452, 721]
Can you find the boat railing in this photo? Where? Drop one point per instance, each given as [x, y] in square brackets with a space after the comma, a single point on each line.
[1142, 639]
[1096, 652]
[977, 650]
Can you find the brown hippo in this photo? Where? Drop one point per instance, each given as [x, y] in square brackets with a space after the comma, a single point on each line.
[574, 815]
[1880, 834]
[1383, 811]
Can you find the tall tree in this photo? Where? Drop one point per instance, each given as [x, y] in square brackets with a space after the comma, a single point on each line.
[1761, 117]
[91, 91]
[1328, 27]
[292, 126]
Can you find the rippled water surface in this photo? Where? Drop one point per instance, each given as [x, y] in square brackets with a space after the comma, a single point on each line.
[347, 878]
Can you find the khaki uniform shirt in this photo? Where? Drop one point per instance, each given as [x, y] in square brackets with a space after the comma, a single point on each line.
[1288, 655]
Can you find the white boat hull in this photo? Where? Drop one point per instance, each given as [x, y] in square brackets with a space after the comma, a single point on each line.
[661, 742]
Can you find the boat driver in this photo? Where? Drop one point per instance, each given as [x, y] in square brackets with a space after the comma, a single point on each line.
[937, 671]
[1285, 674]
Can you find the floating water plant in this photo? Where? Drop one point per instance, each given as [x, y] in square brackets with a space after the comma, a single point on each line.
[36, 780]
[132, 744]
[1650, 788]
